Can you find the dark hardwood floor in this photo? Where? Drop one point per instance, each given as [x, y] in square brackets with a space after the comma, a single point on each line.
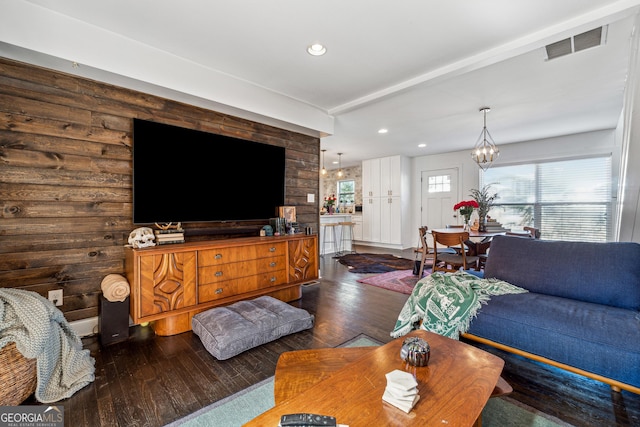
[151, 380]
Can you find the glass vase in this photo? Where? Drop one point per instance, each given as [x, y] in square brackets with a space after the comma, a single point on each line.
[482, 224]
[466, 226]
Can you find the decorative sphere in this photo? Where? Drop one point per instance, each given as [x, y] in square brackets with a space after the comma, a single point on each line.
[415, 351]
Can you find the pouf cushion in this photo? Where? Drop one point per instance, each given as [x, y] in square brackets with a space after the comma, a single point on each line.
[228, 331]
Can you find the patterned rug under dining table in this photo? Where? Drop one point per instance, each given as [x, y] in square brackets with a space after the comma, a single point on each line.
[454, 387]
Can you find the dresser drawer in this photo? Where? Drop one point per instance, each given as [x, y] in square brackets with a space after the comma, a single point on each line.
[219, 273]
[242, 253]
[231, 287]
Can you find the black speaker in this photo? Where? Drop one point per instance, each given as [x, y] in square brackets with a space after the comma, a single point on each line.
[113, 322]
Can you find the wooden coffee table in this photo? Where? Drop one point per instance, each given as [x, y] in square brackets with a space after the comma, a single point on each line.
[453, 388]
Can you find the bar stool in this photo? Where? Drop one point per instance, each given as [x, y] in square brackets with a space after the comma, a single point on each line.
[325, 228]
[347, 225]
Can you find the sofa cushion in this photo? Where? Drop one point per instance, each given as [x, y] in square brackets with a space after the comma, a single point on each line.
[599, 339]
[602, 273]
[228, 331]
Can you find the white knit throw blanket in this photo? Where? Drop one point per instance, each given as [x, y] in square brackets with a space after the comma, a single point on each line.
[40, 331]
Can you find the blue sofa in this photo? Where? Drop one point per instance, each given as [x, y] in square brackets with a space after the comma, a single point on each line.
[582, 311]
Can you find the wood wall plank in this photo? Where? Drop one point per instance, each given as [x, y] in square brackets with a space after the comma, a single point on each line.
[66, 178]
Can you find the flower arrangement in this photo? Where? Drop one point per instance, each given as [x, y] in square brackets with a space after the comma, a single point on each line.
[484, 199]
[466, 208]
[485, 202]
[330, 200]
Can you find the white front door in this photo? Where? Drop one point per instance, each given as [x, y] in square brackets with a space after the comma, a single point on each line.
[439, 195]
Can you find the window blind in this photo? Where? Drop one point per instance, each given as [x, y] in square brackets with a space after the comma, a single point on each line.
[566, 200]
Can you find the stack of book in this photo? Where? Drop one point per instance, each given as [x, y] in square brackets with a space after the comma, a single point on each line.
[165, 237]
[494, 226]
[401, 390]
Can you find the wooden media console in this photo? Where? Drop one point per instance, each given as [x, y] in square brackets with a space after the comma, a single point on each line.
[172, 283]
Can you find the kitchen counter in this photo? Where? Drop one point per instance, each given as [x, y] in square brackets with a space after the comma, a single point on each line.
[329, 246]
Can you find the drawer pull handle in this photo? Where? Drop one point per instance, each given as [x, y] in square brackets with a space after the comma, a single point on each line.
[273, 264]
[273, 279]
[218, 256]
[219, 291]
[218, 273]
[272, 249]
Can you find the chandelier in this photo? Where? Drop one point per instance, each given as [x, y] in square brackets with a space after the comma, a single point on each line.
[324, 170]
[485, 150]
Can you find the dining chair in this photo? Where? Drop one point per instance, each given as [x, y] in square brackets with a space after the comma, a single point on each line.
[527, 232]
[449, 262]
[426, 252]
[423, 249]
[535, 232]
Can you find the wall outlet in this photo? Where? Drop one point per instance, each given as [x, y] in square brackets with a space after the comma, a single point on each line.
[56, 296]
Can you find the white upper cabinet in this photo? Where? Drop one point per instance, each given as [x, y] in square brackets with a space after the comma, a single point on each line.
[382, 177]
[371, 178]
[385, 196]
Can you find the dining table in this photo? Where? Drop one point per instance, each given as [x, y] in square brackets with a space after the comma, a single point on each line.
[479, 241]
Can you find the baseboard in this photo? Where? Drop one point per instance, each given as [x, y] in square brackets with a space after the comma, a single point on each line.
[85, 327]
[89, 326]
[382, 245]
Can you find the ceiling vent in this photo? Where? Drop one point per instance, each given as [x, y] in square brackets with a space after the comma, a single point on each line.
[592, 38]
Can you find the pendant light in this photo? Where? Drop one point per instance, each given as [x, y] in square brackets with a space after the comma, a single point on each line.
[485, 150]
[324, 170]
[340, 173]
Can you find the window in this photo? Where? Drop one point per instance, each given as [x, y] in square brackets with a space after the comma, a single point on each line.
[346, 192]
[566, 200]
[439, 184]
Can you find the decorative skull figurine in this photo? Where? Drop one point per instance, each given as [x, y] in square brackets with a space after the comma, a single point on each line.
[142, 237]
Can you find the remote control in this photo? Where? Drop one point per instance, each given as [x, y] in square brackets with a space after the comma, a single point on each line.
[307, 420]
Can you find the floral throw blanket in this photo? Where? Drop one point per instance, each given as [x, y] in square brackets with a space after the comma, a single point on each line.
[446, 303]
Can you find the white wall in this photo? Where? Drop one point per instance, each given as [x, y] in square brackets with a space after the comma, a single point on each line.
[108, 57]
[629, 136]
[570, 146]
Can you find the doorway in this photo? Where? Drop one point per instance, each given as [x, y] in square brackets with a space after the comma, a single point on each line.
[439, 193]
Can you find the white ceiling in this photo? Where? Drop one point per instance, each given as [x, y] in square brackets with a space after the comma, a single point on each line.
[421, 68]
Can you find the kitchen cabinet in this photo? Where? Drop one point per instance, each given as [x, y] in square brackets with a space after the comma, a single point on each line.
[385, 202]
[327, 244]
[371, 219]
[357, 228]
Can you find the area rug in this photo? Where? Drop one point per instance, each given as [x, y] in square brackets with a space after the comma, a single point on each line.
[247, 404]
[401, 281]
[242, 407]
[375, 263]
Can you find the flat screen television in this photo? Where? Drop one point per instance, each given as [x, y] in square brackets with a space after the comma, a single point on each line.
[185, 175]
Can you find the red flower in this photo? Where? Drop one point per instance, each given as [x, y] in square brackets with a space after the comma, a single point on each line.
[330, 200]
[466, 203]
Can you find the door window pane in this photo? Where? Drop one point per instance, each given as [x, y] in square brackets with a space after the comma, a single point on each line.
[439, 184]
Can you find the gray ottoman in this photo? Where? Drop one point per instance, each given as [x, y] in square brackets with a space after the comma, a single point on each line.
[228, 331]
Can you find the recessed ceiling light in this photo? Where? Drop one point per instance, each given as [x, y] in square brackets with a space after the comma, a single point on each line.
[316, 49]
[422, 145]
[383, 130]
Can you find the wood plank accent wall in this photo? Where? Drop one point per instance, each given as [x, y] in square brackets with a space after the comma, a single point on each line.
[65, 178]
